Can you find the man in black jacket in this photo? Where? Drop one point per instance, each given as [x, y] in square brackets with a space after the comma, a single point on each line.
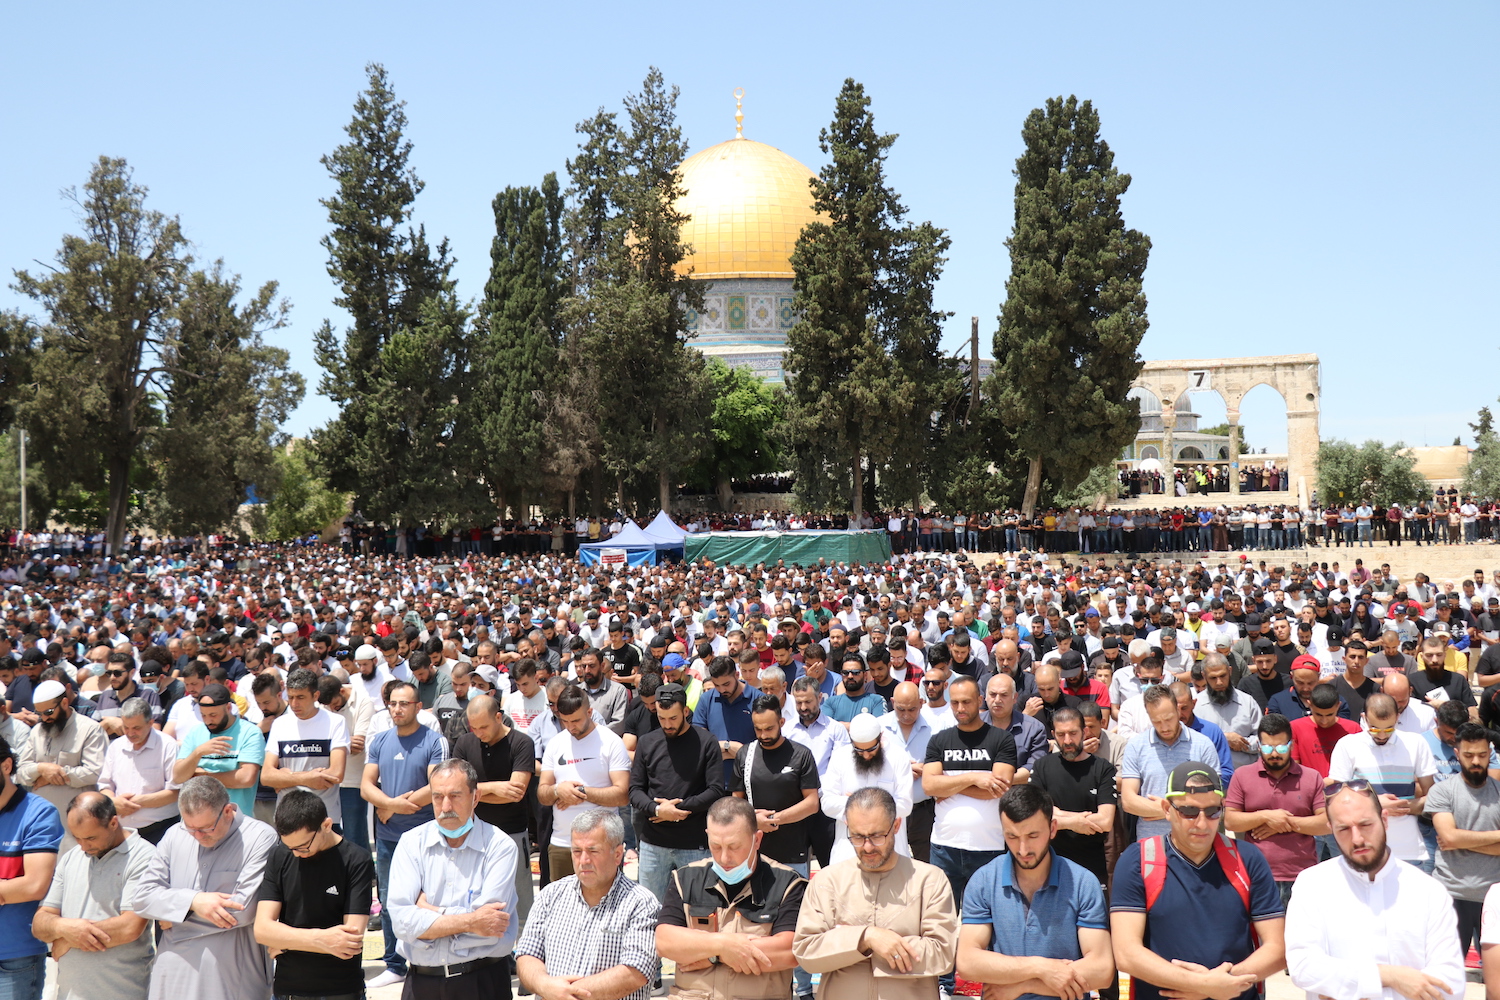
[677, 774]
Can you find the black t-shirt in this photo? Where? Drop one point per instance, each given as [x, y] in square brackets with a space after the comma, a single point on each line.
[979, 750]
[639, 719]
[886, 690]
[1262, 688]
[777, 780]
[1354, 697]
[1284, 657]
[497, 762]
[1489, 661]
[626, 660]
[1078, 786]
[318, 892]
[1456, 686]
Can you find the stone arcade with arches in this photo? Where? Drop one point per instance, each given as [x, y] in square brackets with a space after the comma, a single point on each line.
[1295, 376]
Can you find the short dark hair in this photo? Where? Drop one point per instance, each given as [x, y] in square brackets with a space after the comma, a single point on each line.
[766, 703]
[1453, 717]
[647, 685]
[721, 666]
[1087, 709]
[297, 811]
[1021, 802]
[572, 698]
[1472, 732]
[1067, 714]
[265, 682]
[728, 809]
[1274, 725]
[1325, 696]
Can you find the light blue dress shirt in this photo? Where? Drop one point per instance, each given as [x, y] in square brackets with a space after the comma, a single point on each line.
[456, 880]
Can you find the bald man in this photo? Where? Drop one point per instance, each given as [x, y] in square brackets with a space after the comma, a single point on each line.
[1012, 660]
[914, 728]
[1415, 716]
[1004, 713]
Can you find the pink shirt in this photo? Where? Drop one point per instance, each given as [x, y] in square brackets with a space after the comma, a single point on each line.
[1299, 791]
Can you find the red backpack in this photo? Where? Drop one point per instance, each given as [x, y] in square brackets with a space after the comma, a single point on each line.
[1154, 868]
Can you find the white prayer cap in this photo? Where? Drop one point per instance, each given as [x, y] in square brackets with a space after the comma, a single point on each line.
[367, 652]
[48, 691]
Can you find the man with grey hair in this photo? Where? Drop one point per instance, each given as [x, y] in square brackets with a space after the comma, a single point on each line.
[137, 774]
[102, 947]
[562, 952]
[199, 887]
[453, 895]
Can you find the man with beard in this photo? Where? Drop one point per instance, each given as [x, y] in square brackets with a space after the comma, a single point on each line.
[1435, 683]
[1465, 811]
[1399, 767]
[1293, 703]
[676, 775]
[1365, 925]
[64, 753]
[880, 924]
[780, 781]
[1229, 708]
[1082, 788]
[1020, 938]
[821, 736]
[119, 671]
[1279, 804]
[607, 696]
[873, 758]
[224, 747]
[1264, 681]
[858, 698]
[372, 673]
[969, 766]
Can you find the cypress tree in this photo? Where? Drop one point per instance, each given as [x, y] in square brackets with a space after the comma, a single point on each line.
[1066, 351]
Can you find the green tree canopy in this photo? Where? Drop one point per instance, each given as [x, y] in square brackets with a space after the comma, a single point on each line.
[302, 503]
[1066, 351]
[391, 281]
[864, 377]
[1374, 472]
[149, 385]
[742, 441]
[1482, 478]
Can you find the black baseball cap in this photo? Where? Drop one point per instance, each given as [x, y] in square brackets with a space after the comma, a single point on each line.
[214, 695]
[670, 694]
[1193, 778]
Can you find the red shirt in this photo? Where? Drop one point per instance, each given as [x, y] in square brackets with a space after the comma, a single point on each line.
[1092, 691]
[1300, 792]
[1313, 747]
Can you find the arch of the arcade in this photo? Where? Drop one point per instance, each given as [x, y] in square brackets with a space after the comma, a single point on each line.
[1294, 376]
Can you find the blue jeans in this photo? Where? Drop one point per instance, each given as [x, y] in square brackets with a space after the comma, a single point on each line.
[1328, 848]
[1429, 839]
[385, 850]
[802, 984]
[658, 863]
[959, 865]
[356, 816]
[21, 978]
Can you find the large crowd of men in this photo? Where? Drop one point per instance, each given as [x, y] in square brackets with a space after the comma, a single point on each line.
[1023, 775]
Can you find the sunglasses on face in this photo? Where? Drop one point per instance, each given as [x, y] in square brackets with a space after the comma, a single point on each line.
[1193, 812]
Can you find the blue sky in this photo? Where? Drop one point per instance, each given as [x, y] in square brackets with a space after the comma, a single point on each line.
[1314, 177]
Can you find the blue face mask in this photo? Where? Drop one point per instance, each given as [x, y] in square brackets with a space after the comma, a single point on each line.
[455, 834]
[735, 875]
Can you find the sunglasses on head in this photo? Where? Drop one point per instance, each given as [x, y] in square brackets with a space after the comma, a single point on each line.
[1353, 784]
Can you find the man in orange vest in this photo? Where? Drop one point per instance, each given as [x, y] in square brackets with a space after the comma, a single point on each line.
[1192, 912]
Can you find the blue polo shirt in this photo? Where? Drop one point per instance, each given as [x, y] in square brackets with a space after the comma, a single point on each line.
[1047, 927]
[1198, 917]
[29, 824]
[842, 708]
[727, 720]
[1221, 744]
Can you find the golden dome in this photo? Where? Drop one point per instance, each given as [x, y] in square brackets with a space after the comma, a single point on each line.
[748, 203]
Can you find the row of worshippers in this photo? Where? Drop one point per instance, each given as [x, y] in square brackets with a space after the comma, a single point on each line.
[248, 911]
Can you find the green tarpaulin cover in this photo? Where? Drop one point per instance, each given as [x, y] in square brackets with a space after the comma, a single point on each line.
[803, 548]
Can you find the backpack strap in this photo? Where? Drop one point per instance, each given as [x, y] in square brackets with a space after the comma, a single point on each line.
[1234, 867]
[1153, 868]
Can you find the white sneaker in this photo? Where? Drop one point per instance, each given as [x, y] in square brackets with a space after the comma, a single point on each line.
[386, 978]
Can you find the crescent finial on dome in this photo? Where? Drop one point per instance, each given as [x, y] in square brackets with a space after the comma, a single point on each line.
[739, 113]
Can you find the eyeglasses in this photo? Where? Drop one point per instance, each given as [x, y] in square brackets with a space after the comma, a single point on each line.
[303, 847]
[1193, 812]
[205, 831]
[872, 839]
[1382, 730]
[1353, 784]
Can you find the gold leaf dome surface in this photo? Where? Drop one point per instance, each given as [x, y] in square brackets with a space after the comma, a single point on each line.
[748, 203]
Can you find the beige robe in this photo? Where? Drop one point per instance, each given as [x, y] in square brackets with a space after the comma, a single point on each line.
[913, 899]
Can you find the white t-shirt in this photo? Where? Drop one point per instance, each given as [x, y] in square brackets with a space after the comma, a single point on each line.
[522, 709]
[1489, 925]
[308, 745]
[589, 762]
[1392, 769]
